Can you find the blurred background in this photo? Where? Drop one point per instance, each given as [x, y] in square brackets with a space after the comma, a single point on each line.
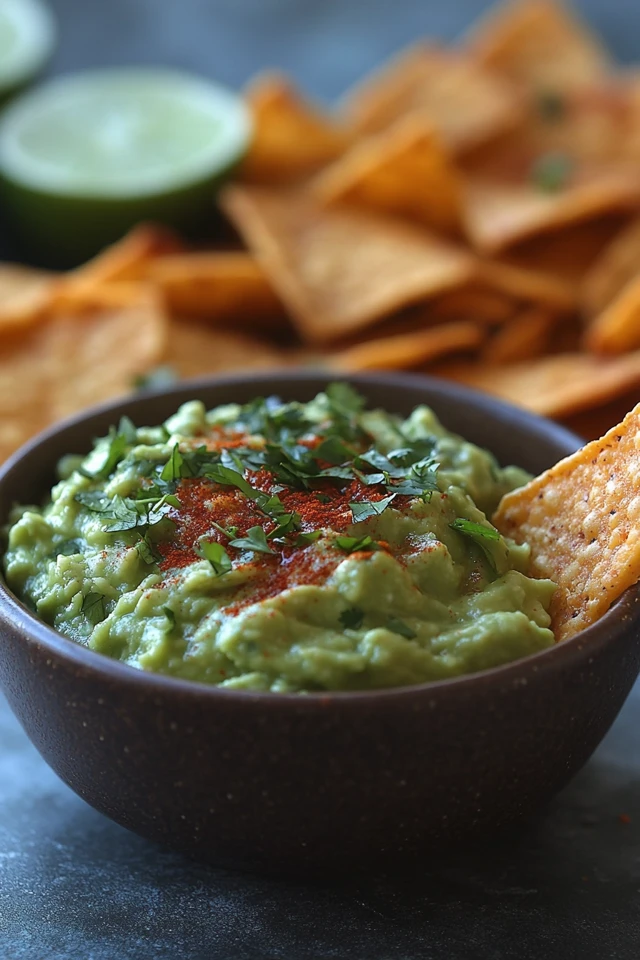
[326, 44]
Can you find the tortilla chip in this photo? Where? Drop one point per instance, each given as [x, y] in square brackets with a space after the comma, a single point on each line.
[474, 301]
[126, 260]
[195, 350]
[339, 270]
[25, 295]
[403, 171]
[539, 44]
[220, 288]
[553, 386]
[291, 138]
[617, 328]
[498, 214]
[527, 285]
[567, 253]
[80, 357]
[581, 520]
[618, 264]
[466, 104]
[525, 336]
[404, 351]
[98, 347]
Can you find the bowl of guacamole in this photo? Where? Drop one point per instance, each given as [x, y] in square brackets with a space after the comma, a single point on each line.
[268, 621]
[283, 546]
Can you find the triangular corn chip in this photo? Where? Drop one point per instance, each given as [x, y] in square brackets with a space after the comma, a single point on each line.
[617, 328]
[540, 44]
[405, 351]
[464, 102]
[25, 295]
[615, 267]
[219, 288]
[339, 270]
[196, 350]
[554, 386]
[291, 138]
[403, 171]
[525, 336]
[581, 520]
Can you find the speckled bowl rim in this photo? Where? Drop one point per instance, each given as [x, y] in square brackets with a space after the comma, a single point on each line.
[615, 621]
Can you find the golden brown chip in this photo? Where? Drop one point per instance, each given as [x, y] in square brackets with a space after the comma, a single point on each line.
[221, 288]
[126, 260]
[539, 44]
[403, 171]
[83, 355]
[25, 295]
[466, 103]
[291, 138]
[528, 285]
[567, 253]
[617, 328]
[525, 336]
[473, 301]
[500, 213]
[618, 264]
[195, 350]
[554, 386]
[581, 519]
[339, 270]
[404, 351]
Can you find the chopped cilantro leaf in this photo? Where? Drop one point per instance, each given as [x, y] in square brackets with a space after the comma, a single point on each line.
[287, 523]
[171, 618]
[67, 548]
[352, 618]
[399, 626]
[480, 535]
[370, 508]
[255, 540]
[551, 172]
[172, 469]
[354, 544]
[93, 607]
[148, 551]
[217, 556]
[303, 539]
[332, 450]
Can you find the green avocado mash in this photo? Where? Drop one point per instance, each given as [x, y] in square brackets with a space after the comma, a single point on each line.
[283, 547]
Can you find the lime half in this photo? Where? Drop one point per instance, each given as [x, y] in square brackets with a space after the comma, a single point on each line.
[27, 37]
[84, 157]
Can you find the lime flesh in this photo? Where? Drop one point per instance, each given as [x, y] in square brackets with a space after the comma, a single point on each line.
[85, 157]
[27, 37]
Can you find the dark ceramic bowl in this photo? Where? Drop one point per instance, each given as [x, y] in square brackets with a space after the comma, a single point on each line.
[301, 782]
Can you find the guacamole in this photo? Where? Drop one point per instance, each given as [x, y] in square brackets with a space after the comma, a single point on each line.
[283, 547]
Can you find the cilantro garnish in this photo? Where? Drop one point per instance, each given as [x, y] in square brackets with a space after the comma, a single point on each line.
[67, 548]
[217, 556]
[173, 467]
[370, 508]
[304, 539]
[101, 465]
[147, 550]
[287, 523]
[352, 618]
[354, 544]
[171, 618]
[480, 535]
[399, 626]
[255, 539]
[93, 607]
[551, 172]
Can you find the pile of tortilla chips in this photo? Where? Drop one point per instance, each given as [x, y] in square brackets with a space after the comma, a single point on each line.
[472, 213]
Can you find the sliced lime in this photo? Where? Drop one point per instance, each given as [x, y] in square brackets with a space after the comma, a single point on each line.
[27, 36]
[84, 157]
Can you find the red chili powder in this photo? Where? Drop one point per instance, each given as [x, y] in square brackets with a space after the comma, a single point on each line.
[203, 502]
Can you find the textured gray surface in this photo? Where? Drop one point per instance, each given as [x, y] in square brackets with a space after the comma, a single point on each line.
[73, 886]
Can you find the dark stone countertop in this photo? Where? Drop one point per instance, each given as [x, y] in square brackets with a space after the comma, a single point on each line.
[74, 886]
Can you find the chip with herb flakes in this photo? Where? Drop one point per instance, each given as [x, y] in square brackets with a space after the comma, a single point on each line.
[340, 270]
[220, 288]
[499, 213]
[403, 171]
[540, 45]
[581, 520]
[292, 138]
[466, 104]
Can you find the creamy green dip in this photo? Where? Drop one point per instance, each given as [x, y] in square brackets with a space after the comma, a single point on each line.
[283, 547]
